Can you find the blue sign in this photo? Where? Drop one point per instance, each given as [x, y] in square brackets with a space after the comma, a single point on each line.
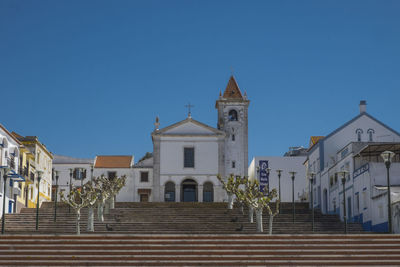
[264, 175]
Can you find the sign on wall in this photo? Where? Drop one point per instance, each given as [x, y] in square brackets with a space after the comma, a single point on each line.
[264, 175]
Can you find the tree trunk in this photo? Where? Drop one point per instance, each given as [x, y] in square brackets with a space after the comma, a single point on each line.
[90, 226]
[251, 214]
[242, 208]
[107, 207]
[78, 218]
[271, 219]
[112, 202]
[230, 201]
[100, 209]
[259, 220]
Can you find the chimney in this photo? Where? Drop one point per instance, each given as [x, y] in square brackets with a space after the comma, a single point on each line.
[363, 106]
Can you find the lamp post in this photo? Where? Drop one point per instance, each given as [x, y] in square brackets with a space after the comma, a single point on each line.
[294, 210]
[311, 176]
[70, 187]
[279, 181]
[55, 201]
[3, 218]
[387, 158]
[91, 172]
[38, 195]
[344, 173]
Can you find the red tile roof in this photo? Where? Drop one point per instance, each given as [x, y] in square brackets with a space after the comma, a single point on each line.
[113, 161]
[232, 90]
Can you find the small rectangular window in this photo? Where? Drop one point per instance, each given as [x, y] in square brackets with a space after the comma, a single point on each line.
[144, 177]
[233, 137]
[112, 175]
[188, 156]
[233, 164]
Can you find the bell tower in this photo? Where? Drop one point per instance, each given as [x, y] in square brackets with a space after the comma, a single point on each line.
[232, 108]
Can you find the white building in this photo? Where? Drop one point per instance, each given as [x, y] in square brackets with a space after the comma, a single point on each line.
[188, 155]
[71, 172]
[285, 164]
[116, 166]
[9, 158]
[343, 149]
[143, 180]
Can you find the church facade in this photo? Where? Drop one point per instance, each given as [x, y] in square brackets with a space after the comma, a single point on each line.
[188, 155]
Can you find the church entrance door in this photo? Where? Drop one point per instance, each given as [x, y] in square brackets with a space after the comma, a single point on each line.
[189, 191]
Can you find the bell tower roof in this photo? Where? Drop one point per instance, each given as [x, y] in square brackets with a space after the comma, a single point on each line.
[232, 90]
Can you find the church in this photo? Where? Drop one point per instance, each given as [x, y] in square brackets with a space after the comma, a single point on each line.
[188, 155]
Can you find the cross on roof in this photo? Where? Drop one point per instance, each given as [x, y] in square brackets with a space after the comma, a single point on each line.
[189, 106]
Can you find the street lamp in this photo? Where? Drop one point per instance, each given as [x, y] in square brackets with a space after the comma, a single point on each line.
[91, 172]
[311, 176]
[37, 203]
[344, 173]
[268, 171]
[3, 218]
[55, 201]
[293, 174]
[279, 181]
[387, 158]
[70, 187]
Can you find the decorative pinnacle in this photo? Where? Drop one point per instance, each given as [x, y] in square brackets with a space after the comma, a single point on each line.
[157, 124]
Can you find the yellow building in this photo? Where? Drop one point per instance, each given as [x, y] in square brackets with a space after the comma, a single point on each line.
[37, 159]
[27, 169]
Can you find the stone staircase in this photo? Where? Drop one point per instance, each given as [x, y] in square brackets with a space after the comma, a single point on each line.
[199, 250]
[174, 218]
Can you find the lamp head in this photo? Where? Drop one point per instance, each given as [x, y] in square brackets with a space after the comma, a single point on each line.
[387, 156]
[39, 173]
[311, 175]
[279, 171]
[268, 170]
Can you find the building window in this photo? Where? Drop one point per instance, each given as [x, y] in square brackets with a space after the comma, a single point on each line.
[370, 135]
[359, 133]
[232, 115]
[112, 175]
[169, 194]
[233, 137]
[188, 161]
[144, 177]
[233, 164]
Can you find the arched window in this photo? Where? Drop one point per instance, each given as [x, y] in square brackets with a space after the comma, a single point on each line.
[169, 195]
[208, 192]
[370, 135]
[359, 132]
[233, 116]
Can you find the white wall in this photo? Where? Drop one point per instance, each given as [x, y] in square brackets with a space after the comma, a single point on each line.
[10, 146]
[64, 175]
[287, 164]
[126, 194]
[205, 150]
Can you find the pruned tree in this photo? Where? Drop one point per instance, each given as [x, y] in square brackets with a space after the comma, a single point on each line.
[230, 186]
[79, 198]
[102, 195]
[255, 198]
[96, 189]
[108, 189]
[272, 215]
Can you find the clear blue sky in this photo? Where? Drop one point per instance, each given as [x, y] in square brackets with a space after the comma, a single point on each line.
[89, 77]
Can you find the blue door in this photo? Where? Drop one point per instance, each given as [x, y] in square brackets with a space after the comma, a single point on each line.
[189, 193]
[10, 206]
